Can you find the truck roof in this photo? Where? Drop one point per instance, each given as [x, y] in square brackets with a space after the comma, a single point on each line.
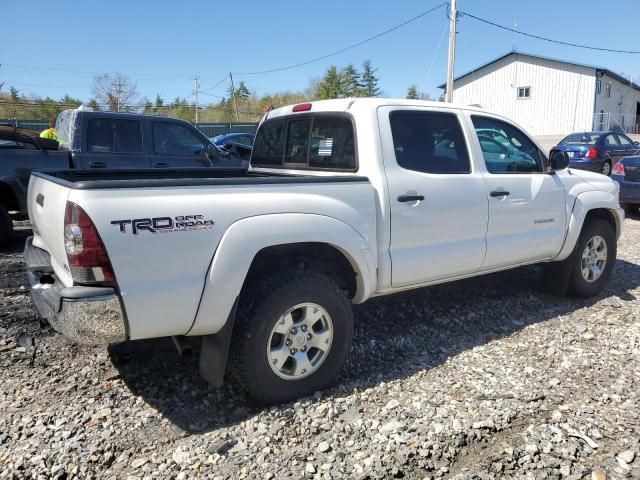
[345, 104]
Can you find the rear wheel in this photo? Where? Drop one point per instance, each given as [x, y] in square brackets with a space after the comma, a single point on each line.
[6, 226]
[606, 168]
[291, 337]
[593, 259]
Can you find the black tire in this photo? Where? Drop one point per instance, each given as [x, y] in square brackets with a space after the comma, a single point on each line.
[578, 285]
[606, 168]
[629, 208]
[260, 308]
[6, 226]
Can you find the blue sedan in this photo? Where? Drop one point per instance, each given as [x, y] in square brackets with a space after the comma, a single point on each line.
[627, 173]
[597, 151]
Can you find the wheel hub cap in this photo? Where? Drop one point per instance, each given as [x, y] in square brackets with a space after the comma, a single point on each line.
[300, 341]
[594, 259]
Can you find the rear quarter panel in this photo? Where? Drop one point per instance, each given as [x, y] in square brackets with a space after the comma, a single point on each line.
[161, 276]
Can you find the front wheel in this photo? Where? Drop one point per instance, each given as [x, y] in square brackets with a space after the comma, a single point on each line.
[593, 259]
[629, 208]
[291, 337]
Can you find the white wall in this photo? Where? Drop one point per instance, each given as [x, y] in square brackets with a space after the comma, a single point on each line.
[562, 95]
[622, 103]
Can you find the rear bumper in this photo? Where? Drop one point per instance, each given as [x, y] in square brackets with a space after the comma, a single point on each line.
[590, 165]
[88, 315]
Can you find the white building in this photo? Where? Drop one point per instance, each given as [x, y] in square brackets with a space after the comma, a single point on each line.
[552, 97]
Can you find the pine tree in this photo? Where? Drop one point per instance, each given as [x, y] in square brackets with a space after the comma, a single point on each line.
[412, 92]
[147, 106]
[14, 94]
[330, 86]
[350, 85]
[94, 105]
[241, 93]
[370, 81]
[159, 103]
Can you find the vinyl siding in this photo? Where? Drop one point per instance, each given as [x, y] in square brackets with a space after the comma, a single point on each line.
[562, 95]
[622, 103]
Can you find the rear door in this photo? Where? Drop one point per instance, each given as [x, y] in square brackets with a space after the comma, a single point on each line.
[437, 201]
[177, 145]
[526, 205]
[626, 146]
[113, 143]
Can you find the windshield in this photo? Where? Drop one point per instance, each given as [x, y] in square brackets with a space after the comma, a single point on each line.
[581, 139]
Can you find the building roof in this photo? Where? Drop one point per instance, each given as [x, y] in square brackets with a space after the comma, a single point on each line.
[598, 69]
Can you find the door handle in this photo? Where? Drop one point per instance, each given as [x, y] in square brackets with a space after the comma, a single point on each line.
[499, 193]
[410, 198]
[97, 165]
[161, 164]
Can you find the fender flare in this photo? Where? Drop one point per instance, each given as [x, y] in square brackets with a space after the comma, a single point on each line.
[243, 240]
[584, 203]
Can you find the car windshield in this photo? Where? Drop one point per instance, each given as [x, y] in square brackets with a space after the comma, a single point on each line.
[581, 139]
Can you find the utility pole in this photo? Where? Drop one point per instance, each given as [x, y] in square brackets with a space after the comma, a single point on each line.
[118, 89]
[453, 14]
[197, 87]
[235, 100]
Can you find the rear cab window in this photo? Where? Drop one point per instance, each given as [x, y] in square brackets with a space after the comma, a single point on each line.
[306, 142]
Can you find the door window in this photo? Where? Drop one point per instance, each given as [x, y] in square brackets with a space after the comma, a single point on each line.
[113, 135]
[505, 148]
[624, 141]
[611, 140]
[175, 139]
[429, 142]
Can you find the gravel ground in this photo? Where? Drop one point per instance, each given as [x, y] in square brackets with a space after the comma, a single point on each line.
[484, 378]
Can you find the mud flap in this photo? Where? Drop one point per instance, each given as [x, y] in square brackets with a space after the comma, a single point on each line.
[215, 348]
[555, 275]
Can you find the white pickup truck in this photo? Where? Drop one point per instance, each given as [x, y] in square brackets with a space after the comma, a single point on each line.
[345, 200]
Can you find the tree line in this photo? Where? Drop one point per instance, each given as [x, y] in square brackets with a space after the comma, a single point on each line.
[118, 92]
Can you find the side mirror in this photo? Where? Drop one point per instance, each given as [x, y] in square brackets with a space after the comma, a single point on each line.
[210, 151]
[636, 143]
[558, 160]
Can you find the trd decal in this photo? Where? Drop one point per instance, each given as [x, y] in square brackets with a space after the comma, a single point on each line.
[180, 223]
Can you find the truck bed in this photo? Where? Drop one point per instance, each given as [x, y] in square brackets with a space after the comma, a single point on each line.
[184, 177]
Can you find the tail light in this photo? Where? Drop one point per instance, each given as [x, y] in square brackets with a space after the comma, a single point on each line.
[591, 153]
[87, 257]
[618, 169]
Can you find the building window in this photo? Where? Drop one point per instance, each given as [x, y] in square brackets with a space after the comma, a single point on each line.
[598, 86]
[608, 90]
[524, 92]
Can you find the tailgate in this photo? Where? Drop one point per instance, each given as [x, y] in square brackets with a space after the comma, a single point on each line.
[46, 201]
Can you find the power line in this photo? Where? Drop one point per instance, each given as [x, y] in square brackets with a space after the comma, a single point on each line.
[218, 83]
[378, 35]
[551, 40]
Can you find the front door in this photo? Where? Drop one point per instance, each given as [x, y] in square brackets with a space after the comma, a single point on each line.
[526, 206]
[437, 201]
[175, 145]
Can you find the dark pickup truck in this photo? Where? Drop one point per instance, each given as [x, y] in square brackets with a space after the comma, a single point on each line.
[88, 140]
